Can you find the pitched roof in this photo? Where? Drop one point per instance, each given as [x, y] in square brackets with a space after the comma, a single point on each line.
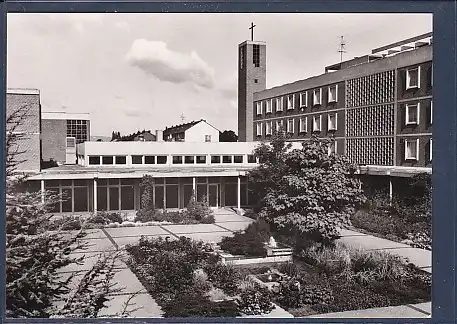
[183, 127]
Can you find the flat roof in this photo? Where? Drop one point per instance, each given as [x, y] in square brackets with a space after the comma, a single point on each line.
[91, 172]
[64, 115]
[22, 91]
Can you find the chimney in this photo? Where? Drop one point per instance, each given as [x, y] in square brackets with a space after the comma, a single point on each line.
[159, 135]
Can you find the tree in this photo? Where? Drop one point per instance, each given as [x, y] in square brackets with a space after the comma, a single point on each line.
[228, 136]
[306, 190]
[34, 254]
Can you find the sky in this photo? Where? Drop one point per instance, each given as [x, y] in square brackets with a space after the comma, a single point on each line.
[148, 71]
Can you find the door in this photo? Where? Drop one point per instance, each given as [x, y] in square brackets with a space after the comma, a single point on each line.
[213, 195]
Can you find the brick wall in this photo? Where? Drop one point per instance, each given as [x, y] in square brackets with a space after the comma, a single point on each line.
[54, 132]
[28, 130]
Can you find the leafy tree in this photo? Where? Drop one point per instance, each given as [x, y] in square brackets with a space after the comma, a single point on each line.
[228, 136]
[34, 254]
[306, 190]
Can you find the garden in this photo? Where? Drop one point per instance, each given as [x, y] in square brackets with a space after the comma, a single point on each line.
[306, 197]
[406, 219]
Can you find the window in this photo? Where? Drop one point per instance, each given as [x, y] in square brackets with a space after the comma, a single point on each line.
[177, 159]
[94, 160]
[207, 138]
[332, 121]
[137, 159]
[412, 149]
[279, 125]
[251, 158]
[290, 102]
[413, 77]
[259, 108]
[303, 99]
[269, 104]
[107, 160]
[149, 159]
[290, 126]
[268, 126]
[226, 159]
[317, 97]
[256, 55]
[162, 159]
[71, 142]
[431, 112]
[215, 159]
[238, 159]
[121, 160]
[332, 148]
[303, 124]
[189, 159]
[431, 150]
[201, 159]
[412, 114]
[259, 129]
[279, 104]
[333, 93]
[256, 80]
[317, 123]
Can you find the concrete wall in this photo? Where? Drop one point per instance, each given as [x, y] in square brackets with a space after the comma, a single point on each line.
[28, 130]
[198, 132]
[54, 132]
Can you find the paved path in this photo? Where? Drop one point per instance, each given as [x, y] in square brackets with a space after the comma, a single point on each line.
[421, 258]
[226, 223]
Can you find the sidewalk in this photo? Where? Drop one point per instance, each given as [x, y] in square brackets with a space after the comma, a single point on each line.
[419, 257]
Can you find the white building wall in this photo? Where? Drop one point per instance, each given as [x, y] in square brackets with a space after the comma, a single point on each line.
[197, 133]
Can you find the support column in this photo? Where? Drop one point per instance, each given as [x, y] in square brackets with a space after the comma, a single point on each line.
[194, 187]
[239, 193]
[42, 191]
[95, 195]
[390, 190]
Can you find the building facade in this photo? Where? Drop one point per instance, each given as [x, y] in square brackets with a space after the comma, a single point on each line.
[378, 108]
[195, 131]
[23, 121]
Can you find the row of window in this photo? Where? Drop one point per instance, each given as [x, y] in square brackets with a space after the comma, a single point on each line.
[267, 105]
[175, 159]
[332, 124]
[412, 149]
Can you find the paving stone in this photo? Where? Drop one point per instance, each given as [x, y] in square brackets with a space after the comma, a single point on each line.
[128, 282]
[426, 307]
[98, 245]
[427, 269]
[146, 304]
[383, 312]
[420, 257]
[369, 242]
[345, 232]
[135, 231]
[209, 237]
[89, 261]
[231, 217]
[192, 228]
[234, 226]
[123, 241]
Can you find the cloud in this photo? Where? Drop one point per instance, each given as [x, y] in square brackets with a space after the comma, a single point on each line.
[122, 25]
[154, 58]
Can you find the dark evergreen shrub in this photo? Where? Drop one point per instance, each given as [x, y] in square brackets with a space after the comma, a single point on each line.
[195, 305]
[255, 300]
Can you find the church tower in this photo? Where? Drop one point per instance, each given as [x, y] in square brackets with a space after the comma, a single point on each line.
[252, 77]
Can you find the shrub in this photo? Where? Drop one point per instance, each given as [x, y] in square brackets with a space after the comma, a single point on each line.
[420, 240]
[294, 293]
[255, 300]
[66, 223]
[288, 268]
[251, 242]
[104, 218]
[144, 216]
[200, 210]
[223, 276]
[195, 305]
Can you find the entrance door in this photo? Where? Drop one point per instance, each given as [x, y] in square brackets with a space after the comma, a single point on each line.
[213, 195]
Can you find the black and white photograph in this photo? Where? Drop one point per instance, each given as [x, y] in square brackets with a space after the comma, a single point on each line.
[242, 165]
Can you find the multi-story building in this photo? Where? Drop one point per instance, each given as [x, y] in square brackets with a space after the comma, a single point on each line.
[61, 132]
[378, 107]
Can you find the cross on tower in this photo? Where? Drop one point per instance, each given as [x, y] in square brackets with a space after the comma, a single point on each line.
[252, 31]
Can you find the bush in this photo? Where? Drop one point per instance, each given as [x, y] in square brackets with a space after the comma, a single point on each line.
[200, 210]
[104, 218]
[288, 268]
[294, 293]
[195, 305]
[255, 300]
[251, 242]
[66, 223]
[145, 215]
[224, 277]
